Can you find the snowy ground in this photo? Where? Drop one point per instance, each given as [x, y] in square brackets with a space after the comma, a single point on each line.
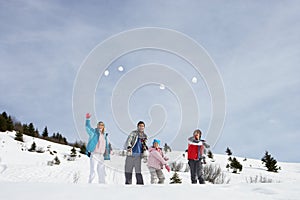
[26, 175]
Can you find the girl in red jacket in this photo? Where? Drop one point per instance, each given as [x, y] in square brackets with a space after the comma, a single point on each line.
[195, 155]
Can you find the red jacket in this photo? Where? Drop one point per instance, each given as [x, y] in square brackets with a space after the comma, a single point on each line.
[195, 149]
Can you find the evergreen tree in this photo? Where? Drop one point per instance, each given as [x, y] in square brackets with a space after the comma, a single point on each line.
[235, 165]
[73, 152]
[19, 136]
[54, 137]
[3, 125]
[3, 122]
[31, 130]
[9, 124]
[270, 163]
[83, 148]
[45, 132]
[56, 161]
[36, 133]
[18, 127]
[33, 147]
[4, 114]
[59, 138]
[228, 151]
[210, 154]
[76, 144]
[25, 129]
[64, 141]
[175, 178]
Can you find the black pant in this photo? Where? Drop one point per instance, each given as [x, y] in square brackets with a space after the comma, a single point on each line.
[196, 171]
[130, 163]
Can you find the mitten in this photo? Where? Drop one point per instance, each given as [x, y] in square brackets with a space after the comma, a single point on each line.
[168, 168]
[88, 115]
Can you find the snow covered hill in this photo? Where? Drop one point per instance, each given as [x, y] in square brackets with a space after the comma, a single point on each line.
[25, 175]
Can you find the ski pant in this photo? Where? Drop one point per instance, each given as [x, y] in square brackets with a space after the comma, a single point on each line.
[196, 171]
[97, 166]
[130, 163]
[156, 174]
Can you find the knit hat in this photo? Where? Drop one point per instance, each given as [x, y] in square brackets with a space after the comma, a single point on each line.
[156, 140]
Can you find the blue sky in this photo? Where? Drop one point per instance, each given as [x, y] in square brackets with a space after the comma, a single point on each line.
[255, 44]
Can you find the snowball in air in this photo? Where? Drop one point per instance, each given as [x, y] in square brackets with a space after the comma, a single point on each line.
[106, 73]
[194, 80]
[120, 68]
[162, 86]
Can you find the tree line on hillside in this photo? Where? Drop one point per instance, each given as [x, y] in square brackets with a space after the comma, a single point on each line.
[8, 123]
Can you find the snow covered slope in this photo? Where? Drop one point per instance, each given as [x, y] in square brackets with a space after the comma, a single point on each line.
[25, 175]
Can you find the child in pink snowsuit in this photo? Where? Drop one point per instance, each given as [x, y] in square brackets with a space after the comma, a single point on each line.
[156, 161]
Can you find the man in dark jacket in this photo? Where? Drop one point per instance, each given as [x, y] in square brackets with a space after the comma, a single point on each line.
[136, 146]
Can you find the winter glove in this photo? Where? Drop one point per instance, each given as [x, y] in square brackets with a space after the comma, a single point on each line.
[88, 115]
[129, 151]
[168, 168]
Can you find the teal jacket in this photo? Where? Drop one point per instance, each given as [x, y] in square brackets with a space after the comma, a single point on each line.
[93, 140]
